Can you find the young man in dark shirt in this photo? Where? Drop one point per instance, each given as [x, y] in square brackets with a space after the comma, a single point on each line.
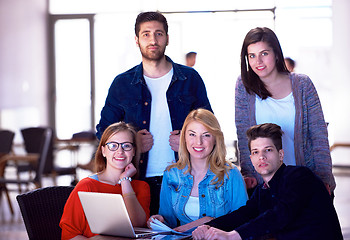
[292, 203]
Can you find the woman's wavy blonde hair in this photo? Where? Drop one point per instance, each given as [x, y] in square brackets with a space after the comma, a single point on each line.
[217, 158]
[100, 160]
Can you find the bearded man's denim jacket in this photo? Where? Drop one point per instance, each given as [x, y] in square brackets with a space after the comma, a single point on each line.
[129, 100]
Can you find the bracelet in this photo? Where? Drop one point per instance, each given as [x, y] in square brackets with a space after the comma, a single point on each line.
[128, 194]
[123, 179]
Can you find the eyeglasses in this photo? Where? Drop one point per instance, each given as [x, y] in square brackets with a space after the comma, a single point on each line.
[126, 146]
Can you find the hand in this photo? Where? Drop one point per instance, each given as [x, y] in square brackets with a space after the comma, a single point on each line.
[250, 182]
[217, 234]
[174, 140]
[129, 171]
[199, 232]
[159, 217]
[145, 140]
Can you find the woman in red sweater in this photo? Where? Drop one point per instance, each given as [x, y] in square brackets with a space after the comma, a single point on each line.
[116, 160]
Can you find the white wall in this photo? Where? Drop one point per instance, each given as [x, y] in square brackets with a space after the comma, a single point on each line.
[23, 63]
[340, 123]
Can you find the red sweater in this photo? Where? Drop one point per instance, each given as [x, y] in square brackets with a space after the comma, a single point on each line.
[74, 222]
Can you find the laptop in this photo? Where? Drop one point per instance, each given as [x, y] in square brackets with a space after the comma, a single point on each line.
[107, 215]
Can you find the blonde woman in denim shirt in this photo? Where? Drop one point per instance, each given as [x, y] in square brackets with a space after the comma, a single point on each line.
[201, 185]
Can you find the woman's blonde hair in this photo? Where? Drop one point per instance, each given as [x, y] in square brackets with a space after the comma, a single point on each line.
[100, 160]
[217, 158]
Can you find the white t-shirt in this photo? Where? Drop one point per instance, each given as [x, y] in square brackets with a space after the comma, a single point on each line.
[282, 113]
[192, 208]
[161, 155]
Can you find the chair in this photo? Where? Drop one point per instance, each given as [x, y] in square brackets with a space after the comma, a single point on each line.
[6, 141]
[31, 137]
[84, 135]
[38, 160]
[42, 210]
[74, 143]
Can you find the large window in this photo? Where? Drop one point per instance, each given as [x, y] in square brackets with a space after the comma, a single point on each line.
[73, 81]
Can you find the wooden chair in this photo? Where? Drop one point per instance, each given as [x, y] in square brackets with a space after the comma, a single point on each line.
[42, 210]
[38, 160]
[31, 137]
[73, 145]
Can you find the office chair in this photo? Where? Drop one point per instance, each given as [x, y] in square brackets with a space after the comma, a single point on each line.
[42, 210]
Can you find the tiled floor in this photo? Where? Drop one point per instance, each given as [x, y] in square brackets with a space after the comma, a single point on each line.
[12, 227]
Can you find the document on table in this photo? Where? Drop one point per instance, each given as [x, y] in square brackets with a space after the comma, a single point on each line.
[171, 237]
[159, 226]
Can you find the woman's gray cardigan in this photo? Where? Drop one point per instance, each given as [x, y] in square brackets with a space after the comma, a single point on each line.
[310, 130]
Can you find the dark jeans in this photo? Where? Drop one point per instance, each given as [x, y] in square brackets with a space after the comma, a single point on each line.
[155, 184]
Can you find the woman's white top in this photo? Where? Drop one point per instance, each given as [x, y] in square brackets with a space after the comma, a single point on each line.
[282, 113]
[192, 208]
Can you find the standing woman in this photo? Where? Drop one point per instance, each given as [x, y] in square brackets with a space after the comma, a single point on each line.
[267, 93]
[116, 162]
[202, 184]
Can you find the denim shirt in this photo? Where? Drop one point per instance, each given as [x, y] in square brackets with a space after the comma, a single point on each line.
[129, 100]
[214, 201]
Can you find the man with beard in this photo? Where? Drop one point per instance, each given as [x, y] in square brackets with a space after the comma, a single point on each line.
[156, 97]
